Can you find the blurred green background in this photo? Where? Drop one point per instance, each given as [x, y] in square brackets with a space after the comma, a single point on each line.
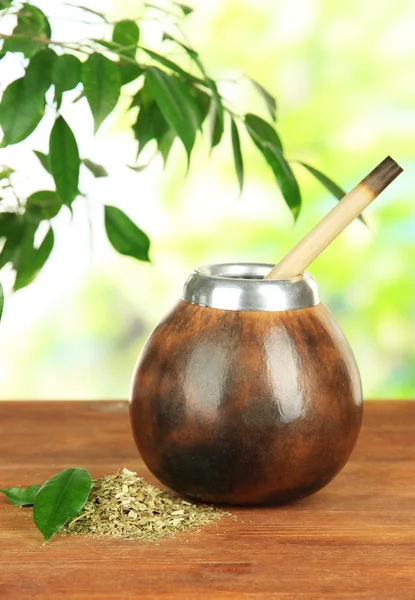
[343, 75]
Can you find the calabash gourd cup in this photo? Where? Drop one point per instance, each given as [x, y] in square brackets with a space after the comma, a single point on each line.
[247, 391]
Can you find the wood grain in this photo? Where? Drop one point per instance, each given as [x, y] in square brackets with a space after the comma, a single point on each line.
[354, 539]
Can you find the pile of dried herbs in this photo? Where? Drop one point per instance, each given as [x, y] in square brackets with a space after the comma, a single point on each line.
[125, 506]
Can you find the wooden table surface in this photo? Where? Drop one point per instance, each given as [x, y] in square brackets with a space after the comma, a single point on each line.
[354, 539]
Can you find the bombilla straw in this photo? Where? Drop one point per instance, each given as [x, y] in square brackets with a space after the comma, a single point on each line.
[349, 207]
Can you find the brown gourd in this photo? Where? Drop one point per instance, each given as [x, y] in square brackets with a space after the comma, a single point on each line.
[247, 392]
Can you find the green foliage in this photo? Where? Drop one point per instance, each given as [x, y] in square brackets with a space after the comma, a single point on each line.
[102, 82]
[173, 102]
[66, 74]
[64, 160]
[126, 34]
[176, 104]
[124, 235]
[237, 155]
[21, 110]
[269, 144]
[31, 31]
[62, 497]
[43, 205]
[94, 168]
[269, 100]
[31, 259]
[21, 496]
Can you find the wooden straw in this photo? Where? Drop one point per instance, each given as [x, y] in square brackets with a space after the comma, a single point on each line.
[349, 207]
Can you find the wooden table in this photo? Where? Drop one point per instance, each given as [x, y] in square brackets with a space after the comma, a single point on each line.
[354, 539]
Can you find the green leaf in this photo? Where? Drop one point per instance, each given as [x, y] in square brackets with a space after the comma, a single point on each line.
[329, 184]
[62, 497]
[64, 160]
[150, 124]
[267, 141]
[21, 496]
[12, 227]
[124, 235]
[166, 144]
[31, 22]
[102, 83]
[269, 100]
[88, 10]
[176, 105]
[237, 155]
[66, 74]
[23, 103]
[44, 160]
[96, 170]
[216, 113]
[1, 304]
[203, 102]
[31, 259]
[284, 176]
[126, 33]
[262, 132]
[216, 124]
[187, 10]
[5, 173]
[128, 71]
[21, 110]
[192, 53]
[173, 67]
[44, 205]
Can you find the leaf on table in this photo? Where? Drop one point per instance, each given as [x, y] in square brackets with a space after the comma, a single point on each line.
[21, 496]
[43, 205]
[176, 105]
[124, 235]
[62, 497]
[64, 160]
[102, 83]
[269, 100]
[126, 33]
[237, 154]
[31, 260]
[66, 74]
[96, 169]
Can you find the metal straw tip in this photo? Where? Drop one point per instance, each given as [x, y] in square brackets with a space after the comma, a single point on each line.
[382, 175]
